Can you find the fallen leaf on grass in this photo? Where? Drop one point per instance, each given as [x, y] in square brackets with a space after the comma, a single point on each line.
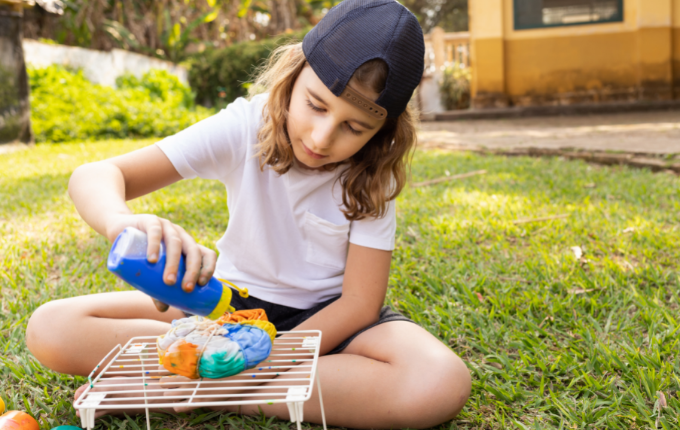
[479, 296]
[498, 366]
[578, 252]
[591, 185]
[628, 230]
[659, 406]
[578, 291]
[412, 233]
[624, 264]
[548, 318]
[545, 218]
[448, 178]
[662, 399]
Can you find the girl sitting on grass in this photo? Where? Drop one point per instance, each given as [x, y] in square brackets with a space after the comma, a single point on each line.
[312, 166]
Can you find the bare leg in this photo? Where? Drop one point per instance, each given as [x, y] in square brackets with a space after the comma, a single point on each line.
[72, 335]
[394, 375]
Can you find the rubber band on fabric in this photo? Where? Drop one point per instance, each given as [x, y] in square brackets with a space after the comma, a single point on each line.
[200, 354]
[197, 347]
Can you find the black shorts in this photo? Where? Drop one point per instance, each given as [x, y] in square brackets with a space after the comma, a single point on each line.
[286, 318]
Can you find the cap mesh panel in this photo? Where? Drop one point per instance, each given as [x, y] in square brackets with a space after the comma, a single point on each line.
[356, 31]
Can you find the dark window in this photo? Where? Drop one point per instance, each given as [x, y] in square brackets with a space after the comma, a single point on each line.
[553, 13]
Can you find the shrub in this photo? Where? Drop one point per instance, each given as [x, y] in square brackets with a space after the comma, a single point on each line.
[219, 76]
[455, 87]
[65, 106]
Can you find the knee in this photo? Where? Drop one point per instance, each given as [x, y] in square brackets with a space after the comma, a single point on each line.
[42, 337]
[455, 385]
[440, 393]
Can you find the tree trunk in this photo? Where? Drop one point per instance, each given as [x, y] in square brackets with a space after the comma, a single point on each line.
[15, 110]
[283, 16]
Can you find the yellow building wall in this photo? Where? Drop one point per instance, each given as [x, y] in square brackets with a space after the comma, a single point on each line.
[636, 59]
[487, 51]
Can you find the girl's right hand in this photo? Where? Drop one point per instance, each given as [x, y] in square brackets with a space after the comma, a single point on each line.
[200, 261]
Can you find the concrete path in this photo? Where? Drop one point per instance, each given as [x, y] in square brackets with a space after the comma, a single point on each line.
[644, 133]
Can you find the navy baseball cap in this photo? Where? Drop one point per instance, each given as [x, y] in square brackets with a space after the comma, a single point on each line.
[356, 31]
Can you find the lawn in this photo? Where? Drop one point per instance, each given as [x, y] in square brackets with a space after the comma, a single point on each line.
[552, 339]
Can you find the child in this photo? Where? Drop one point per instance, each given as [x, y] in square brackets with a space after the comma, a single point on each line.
[311, 167]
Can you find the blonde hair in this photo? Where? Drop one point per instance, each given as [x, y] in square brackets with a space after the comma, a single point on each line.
[376, 174]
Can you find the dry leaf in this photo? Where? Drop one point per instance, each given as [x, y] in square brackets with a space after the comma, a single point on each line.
[479, 296]
[545, 218]
[578, 291]
[548, 318]
[628, 230]
[662, 399]
[578, 252]
[411, 232]
[498, 366]
[591, 185]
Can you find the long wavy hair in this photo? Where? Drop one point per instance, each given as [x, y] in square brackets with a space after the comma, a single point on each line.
[374, 175]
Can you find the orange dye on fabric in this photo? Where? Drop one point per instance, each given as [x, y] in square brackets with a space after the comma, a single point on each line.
[181, 358]
[254, 317]
[244, 315]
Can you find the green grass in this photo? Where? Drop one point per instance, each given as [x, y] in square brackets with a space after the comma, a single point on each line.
[551, 341]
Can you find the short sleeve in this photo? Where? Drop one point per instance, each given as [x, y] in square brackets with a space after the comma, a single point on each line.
[376, 232]
[216, 146]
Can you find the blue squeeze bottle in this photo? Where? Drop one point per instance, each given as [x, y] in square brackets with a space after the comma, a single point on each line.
[127, 259]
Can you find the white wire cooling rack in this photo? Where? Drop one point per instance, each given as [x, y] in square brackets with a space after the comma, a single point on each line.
[126, 378]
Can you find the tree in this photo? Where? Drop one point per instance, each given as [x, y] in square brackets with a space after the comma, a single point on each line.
[172, 29]
[451, 15]
[15, 111]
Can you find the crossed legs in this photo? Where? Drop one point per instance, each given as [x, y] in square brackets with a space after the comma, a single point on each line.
[394, 375]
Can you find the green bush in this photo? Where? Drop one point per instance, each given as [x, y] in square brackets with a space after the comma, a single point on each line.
[455, 87]
[65, 106]
[218, 75]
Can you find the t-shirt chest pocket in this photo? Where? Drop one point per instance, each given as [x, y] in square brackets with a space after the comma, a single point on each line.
[326, 242]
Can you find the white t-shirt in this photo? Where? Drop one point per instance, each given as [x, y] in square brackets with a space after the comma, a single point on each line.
[286, 240]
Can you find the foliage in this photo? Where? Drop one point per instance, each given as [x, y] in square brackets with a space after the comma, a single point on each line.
[455, 87]
[451, 15]
[173, 29]
[173, 40]
[160, 86]
[218, 76]
[66, 106]
[552, 341]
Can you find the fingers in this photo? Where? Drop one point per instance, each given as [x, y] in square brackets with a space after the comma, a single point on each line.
[174, 381]
[180, 409]
[162, 307]
[194, 259]
[179, 386]
[173, 251]
[208, 267]
[200, 261]
[154, 234]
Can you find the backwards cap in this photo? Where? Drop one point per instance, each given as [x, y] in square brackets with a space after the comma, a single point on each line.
[356, 31]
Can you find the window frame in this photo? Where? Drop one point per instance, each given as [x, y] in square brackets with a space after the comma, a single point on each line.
[618, 18]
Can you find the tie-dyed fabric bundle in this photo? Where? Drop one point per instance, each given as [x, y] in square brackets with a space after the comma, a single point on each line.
[196, 347]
